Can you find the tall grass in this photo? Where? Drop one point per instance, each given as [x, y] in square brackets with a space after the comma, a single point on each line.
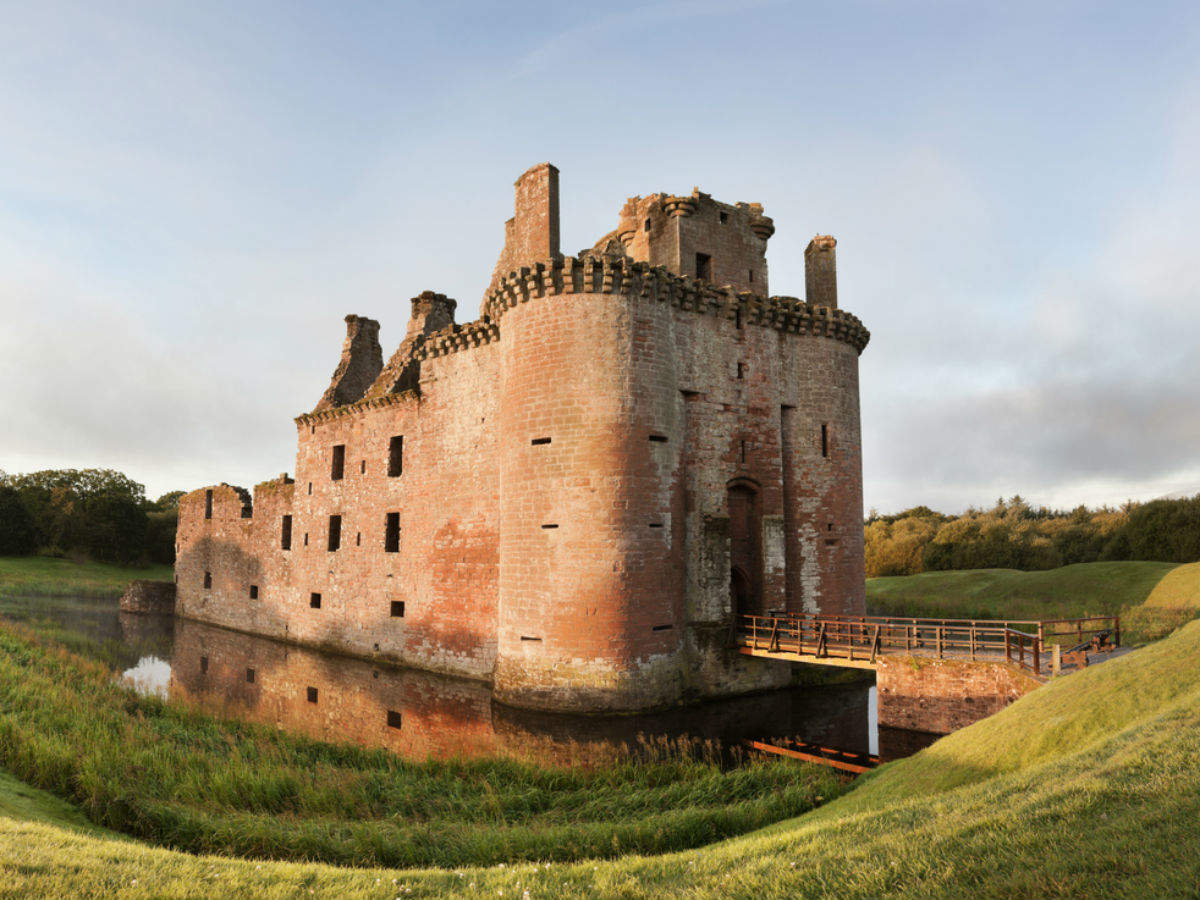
[186, 780]
[40, 576]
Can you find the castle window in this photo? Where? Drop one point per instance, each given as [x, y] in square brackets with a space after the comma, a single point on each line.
[537, 442]
[314, 601]
[358, 539]
[396, 456]
[743, 451]
[658, 438]
[662, 627]
[250, 675]
[254, 592]
[391, 533]
[312, 695]
[285, 535]
[825, 439]
[751, 274]
[362, 467]
[208, 504]
[207, 580]
[530, 637]
[310, 487]
[394, 719]
[647, 225]
[306, 539]
[737, 323]
[203, 665]
[656, 524]
[723, 217]
[397, 609]
[335, 532]
[338, 469]
[704, 267]
[741, 371]
[549, 525]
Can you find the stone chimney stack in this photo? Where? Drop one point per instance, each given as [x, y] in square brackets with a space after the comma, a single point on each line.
[820, 271]
[361, 362]
[430, 312]
[532, 234]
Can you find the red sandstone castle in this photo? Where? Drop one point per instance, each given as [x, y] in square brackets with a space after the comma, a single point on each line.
[573, 495]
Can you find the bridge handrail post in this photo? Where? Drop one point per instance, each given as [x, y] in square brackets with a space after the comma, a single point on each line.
[1116, 631]
[1037, 657]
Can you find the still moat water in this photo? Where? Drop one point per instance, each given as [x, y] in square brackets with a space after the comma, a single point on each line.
[422, 715]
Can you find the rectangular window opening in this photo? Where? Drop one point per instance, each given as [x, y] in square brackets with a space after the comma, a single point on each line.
[737, 318]
[208, 504]
[704, 267]
[550, 525]
[250, 675]
[741, 371]
[396, 456]
[358, 539]
[312, 694]
[723, 217]
[254, 592]
[662, 627]
[207, 580]
[362, 467]
[646, 227]
[743, 451]
[310, 487]
[391, 533]
[335, 533]
[394, 719]
[825, 439]
[537, 442]
[203, 665]
[397, 609]
[285, 533]
[306, 539]
[656, 524]
[751, 273]
[530, 637]
[314, 600]
[338, 469]
[658, 438]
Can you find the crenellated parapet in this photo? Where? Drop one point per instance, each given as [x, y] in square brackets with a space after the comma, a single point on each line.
[327, 415]
[598, 274]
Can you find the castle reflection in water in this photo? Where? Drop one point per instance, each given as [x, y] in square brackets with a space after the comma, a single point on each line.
[420, 715]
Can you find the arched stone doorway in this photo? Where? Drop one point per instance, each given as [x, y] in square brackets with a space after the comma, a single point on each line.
[745, 548]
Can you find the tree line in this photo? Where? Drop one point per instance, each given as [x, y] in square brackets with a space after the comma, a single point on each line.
[99, 514]
[1014, 535]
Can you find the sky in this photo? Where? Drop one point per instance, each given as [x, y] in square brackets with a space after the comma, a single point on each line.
[193, 195]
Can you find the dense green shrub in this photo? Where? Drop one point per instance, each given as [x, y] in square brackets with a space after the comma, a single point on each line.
[18, 536]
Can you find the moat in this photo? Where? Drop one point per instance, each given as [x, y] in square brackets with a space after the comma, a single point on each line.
[421, 715]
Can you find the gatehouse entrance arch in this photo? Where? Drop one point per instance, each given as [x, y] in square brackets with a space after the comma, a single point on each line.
[745, 547]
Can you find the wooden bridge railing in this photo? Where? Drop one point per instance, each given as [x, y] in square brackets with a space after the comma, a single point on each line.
[863, 638]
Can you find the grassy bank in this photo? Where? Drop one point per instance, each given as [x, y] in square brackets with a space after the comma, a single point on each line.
[1088, 787]
[37, 576]
[1103, 588]
[186, 780]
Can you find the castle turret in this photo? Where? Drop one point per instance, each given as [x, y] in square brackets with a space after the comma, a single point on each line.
[820, 271]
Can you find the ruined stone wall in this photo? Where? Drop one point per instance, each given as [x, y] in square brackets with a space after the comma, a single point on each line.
[943, 695]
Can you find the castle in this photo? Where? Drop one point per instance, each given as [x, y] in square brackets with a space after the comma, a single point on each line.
[574, 495]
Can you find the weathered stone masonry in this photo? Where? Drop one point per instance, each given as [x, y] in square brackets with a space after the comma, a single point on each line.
[572, 495]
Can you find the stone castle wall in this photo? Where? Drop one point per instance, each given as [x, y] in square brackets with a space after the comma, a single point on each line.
[582, 470]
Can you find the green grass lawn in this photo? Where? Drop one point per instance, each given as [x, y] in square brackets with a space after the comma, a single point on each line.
[1088, 787]
[179, 777]
[28, 576]
[1102, 588]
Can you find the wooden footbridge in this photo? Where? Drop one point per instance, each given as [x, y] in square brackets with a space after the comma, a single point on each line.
[1038, 646]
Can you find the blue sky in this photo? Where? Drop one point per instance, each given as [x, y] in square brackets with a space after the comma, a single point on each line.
[193, 195]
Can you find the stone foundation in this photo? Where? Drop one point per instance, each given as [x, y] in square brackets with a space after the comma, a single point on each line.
[944, 695]
[147, 597]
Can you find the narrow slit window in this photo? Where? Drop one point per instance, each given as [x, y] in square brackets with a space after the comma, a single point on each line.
[656, 524]
[208, 504]
[537, 442]
[335, 533]
[396, 456]
[646, 226]
[204, 665]
[250, 676]
[825, 439]
[741, 371]
[737, 318]
[314, 600]
[254, 592]
[391, 533]
[662, 627]
[358, 539]
[310, 487]
[207, 580]
[530, 637]
[704, 267]
[743, 451]
[751, 273]
[394, 719]
[549, 525]
[397, 609]
[285, 533]
[306, 539]
[658, 438]
[362, 467]
[338, 469]
[312, 695]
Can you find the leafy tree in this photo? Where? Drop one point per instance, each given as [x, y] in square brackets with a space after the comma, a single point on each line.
[18, 536]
